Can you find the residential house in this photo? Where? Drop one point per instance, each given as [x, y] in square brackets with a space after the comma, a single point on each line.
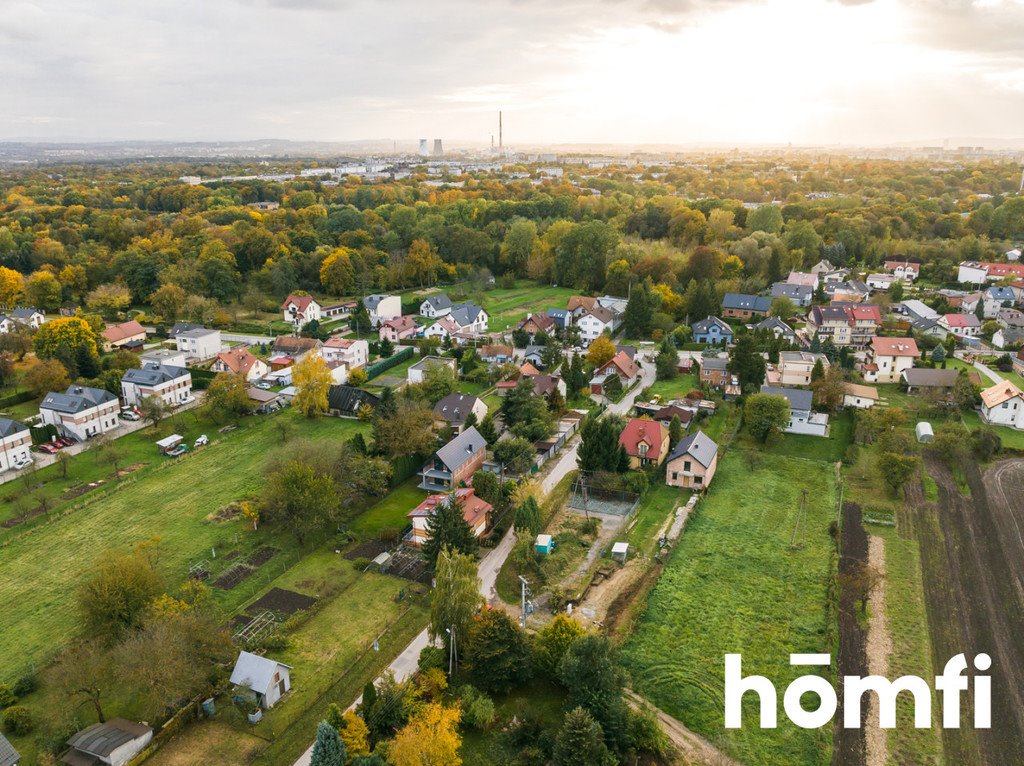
[998, 298]
[400, 328]
[645, 441]
[615, 304]
[537, 323]
[340, 310]
[795, 367]
[1018, 362]
[7, 324]
[846, 324]
[823, 266]
[81, 412]
[930, 327]
[921, 380]
[712, 331]
[198, 343]
[961, 325]
[1003, 405]
[534, 355]
[834, 276]
[742, 306]
[861, 397]
[692, 462]
[300, 309]
[29, 318]
[887, 358]
[353, 353]
[264, 402]
[713, 372]
[294, 347]
[622, 366]
[266, 678]
[172, 385]
[418, 371]
[881, 282]
[15, 446]
[128, 335]
[851, 291]
[8, 755]
[1013, 254]
[544, 385]
[672, 410]
[916, 309]
[436, 306]
[382, 307]
[778, 328]
[240, 361]
[347, 401]
[905, 270]
[801, 419]
[803, 279]
[475, 510]
[596, 321]
[453, 411]
[1010, 318]
[579, 304]
[563, 317]
[979, 272]
[495, 354]
[469, 318]
[1007, 336]
[112, 743]
[801, 295]
[169, 356]
[455, 463]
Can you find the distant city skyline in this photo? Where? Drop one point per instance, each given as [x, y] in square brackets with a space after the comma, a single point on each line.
[669, 72]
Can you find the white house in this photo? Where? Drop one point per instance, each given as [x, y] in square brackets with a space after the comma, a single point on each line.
[801, 419]
[173, 385]
[881, 281]
[198, 343]
[905, 270]
[268, 679]
[241, 361]
[961, 325]
[398, 328]
[1003, 405]
[861, 397]
[354, 353]
[1013, 254]
[81, 412]
[382, 307]
[169, 356]
[26, 317]
[469, 318]
[111, 743]
[418, 370]
[971, 272]
[15, 445]
[436, 306]
[594, 322]
[887, 358]
[300, 309]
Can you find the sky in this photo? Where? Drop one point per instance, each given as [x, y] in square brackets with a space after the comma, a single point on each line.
[848, 72]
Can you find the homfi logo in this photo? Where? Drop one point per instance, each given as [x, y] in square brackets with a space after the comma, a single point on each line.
[951, 684]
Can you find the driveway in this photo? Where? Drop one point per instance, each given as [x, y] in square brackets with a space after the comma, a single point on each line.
[988, 372]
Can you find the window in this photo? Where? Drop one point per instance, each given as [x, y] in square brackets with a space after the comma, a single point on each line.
[686, 466]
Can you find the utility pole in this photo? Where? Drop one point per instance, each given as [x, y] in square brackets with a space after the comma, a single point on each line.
[525, 588]
[453, 661]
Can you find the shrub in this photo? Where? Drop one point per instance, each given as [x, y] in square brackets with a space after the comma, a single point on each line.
[432, 657]
[7, 696]
[18, 721]
[276, 643]
[477, 708]
[25, 686]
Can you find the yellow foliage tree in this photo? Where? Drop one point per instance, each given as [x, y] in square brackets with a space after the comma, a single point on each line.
[431, 737]
[601, 350]
[336, 273]
[12, 285]
[355, 735]
[312, 378]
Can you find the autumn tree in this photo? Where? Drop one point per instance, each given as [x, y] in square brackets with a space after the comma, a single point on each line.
[168, 300]
[114, 596]
[430, 737]
[109, 299]
[43, 291]
[354, 735]
[455, 599]
[226, 396]
[601, 350]
[830, 389]
[12, 287]
[765, 415]
[300, 498]
[408, 431]
[336, 273]
[154, 409]
[46, 375]
[312, 379]
[70, 340]
[554, 639]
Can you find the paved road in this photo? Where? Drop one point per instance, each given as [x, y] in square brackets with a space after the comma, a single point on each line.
[988, 372]
[249, 340]
[406, 663]
[127, 427]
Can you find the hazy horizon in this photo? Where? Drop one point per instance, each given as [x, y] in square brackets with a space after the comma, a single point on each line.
[750, 73]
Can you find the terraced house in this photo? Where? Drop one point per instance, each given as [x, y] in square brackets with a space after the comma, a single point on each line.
[15, 444]
[845, 323]
[742, 306]
[172, 385]
[81, 412]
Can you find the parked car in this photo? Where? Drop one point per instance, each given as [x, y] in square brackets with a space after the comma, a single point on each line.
[178, 451]
[188, 400]
[202, 441]
[22, 463]
[48, 448]
[64, 441]
[129, 415]
[263, 385]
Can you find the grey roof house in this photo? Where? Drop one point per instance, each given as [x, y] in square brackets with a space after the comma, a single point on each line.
[801, 419]
[455, 462]
[113, 743]
[800, 294]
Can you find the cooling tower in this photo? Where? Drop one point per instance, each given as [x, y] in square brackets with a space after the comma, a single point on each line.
[438, 151]
[423, 148]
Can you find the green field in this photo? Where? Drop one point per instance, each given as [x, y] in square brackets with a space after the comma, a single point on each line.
[829, 448]
[39, 567]
[390, 512]
[652, 513]
[506, 307]
[676, 388]
[734, 584]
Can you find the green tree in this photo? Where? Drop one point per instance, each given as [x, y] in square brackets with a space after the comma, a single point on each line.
[448, 528]
[591, 673]
[488, 430]
[517, 454]
[896, 469]
[599, 448]
[818, 371]
[227, 396]
[675, 430]
[554, 640]
[528, 516]
[327, 748]
[765, 415]
[153, 409]
[580, 741]
[746, 363]
[498, 653]
[455, 598]
[765, 218]
[639, 316]
[114, 597]
[360, 319]
[666, 363]
[299, 498]
[45, 376]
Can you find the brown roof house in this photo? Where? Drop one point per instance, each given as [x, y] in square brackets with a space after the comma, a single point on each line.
[129, 335]
[241, 361]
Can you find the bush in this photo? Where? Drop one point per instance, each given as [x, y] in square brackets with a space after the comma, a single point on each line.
[25, 685]
[361, 563]
[7, 696]
[851, 454]
[432, 657]
[18, 721]
[276, 643]
[477, 708]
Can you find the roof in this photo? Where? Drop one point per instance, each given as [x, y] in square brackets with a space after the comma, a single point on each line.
[433, 361]
[706, 324]
[461, 448]
[440, 301]
[798, 398]
[742, 302]
[336, 342]
[544, 384]
[919, 308]
[865, 392]
[905, 264]
[1001, 294]
[102, 739]
[542, 321]
[261, 396]
[196, 332]
[255, 672]
[153, 374]
[714, 363]
[301, 302]
[25, 313]
[581, 302]
[495, 351]
[801, 278]
[639, 431]
[894, 346]
[8, 755]
[118, 332]
[169, 441]
[348, 399]
[807, 357]
[929, 378]
[400, 324]
[774, 323]
[961, 320]
[999, 393]
[76, 399]
[372, 301]
[455, 408]
[699, 446]
[180, 327]
[466, 313]
[10, 427]
[290, 344]
[624, 363]
[238, 359]
[787, 290]
[474, 508]
[600, 313]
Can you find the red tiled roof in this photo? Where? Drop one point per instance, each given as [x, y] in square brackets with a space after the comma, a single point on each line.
[237, 359]
[623, 363]
[894, 346]
[474, 509]
[401, 324]
[117, 332]
[301, 302]
[638, 431]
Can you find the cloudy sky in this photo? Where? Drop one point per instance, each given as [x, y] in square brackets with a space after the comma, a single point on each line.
[579, 71]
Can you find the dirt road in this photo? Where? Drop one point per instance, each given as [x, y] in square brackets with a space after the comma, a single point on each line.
[694, 749]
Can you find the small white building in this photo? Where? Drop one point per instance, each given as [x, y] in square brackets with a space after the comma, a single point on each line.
[112, 743]
[382, 307]
[15, 445]
[81, 412]
[268, 679]
[1003, 405]
[861, 397]
[924, 432]
[198, 343]
[300, 309]
[353, 353]
[169, 356]
[417, 371]
[436, 306]
[801, 419]
[172, 385]
[24, 317]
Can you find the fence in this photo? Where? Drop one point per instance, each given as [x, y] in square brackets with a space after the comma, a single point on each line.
[386, 364]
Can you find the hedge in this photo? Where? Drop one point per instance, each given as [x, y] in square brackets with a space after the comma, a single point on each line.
[386, 364]
[19, 397]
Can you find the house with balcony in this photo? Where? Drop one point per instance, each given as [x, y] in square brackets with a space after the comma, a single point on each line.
[15, 445]
[198, 343]
[887, 358]
[241, 361]
[455, 463]
[712, 331]
[596, 321]
[353, 353]
[645, 441]
[475, 510]
[81, 412]
[172, 385]
[300, 309]
[399, 328]
[802, 420]
[795, 367]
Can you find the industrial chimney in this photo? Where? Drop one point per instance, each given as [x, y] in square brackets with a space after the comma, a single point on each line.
[424, 152]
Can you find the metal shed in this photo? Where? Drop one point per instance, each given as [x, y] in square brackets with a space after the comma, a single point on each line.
[619, 551]
[924, 432]
[545, 544]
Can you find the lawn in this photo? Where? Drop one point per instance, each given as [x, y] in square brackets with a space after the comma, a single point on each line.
[830, 448]
[734, 584]
[676, 388]
[390, 512]
[543, 702]
[506, 307]
[40, 567]
[652, 513]
[1011, 437]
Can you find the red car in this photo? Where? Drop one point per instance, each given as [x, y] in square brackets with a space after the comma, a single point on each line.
[63, 442]
[48, 448]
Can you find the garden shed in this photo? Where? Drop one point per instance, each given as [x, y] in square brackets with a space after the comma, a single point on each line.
[545, 544]
[619, 551]
[924, 432]
[168, 443]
